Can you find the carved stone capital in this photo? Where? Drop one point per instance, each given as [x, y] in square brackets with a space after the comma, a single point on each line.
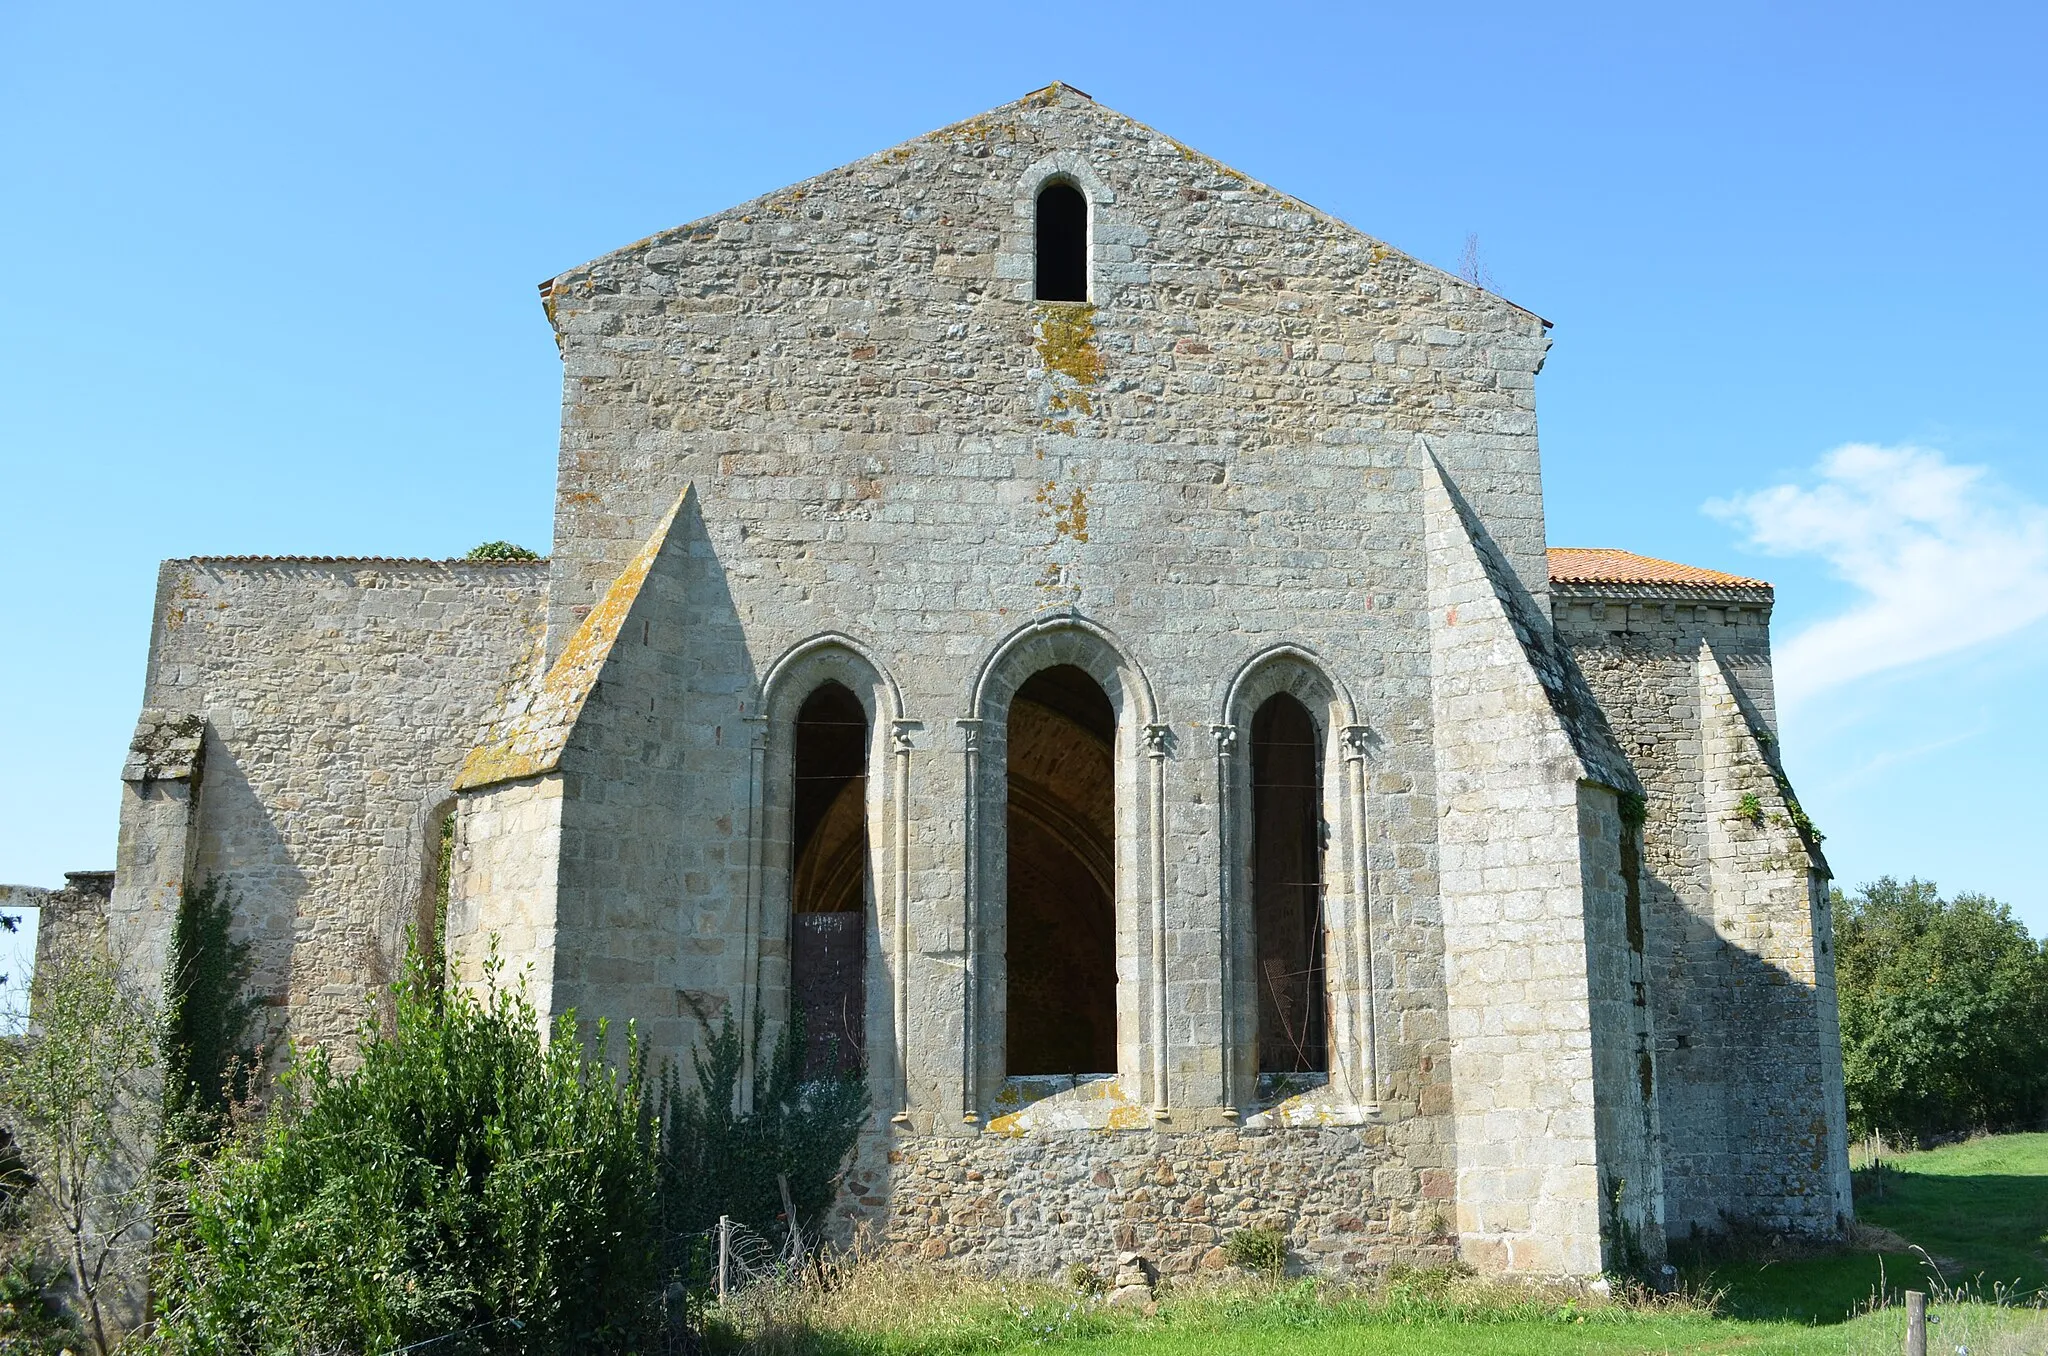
[1357, 740]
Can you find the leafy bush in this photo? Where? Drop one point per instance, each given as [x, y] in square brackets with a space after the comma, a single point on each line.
[465, 1182]
[1261, 1250]
[718, 1161]
[1944, 1012]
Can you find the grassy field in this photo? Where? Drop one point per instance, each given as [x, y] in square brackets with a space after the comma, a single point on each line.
[1979, 1211]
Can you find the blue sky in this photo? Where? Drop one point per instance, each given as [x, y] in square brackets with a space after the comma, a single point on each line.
[274, 267]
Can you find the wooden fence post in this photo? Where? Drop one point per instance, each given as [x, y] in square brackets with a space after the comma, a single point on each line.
[1916, 1323]
[724, 1254]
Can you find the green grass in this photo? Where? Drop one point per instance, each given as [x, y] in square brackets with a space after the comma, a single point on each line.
[1979, 1210]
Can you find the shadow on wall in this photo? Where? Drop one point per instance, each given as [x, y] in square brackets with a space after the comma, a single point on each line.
[1742, 1091]
[241, 842]
[655, 858]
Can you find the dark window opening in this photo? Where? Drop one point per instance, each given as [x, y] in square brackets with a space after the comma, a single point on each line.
[1060, 951]
[829, 879]
[1287, 889]
[1062, 244]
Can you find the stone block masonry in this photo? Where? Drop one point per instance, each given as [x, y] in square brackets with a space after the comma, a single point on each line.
[305, 720]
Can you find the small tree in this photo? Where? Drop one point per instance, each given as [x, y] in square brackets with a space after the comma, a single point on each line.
[80, 1094]
[500, 550]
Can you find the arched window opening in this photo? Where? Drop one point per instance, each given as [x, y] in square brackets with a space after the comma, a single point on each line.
[1061, 945]
[1062, 243]
[829, 879]
[1287, 889]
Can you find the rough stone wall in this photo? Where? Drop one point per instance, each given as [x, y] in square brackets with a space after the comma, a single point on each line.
[647, 764]
[1624, 1041]
[338, 699]
[1639, 647]
[1038, 1203]
[1529, 923]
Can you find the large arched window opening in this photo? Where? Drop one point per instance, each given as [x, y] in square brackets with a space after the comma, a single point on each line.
[1287, 889]
[829, 878]
[1062, 243]
[1060, 949]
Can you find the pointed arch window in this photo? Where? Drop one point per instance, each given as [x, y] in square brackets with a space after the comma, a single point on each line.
[1062, 243]
[1060, 946]
[829, 879]
[1287, 889]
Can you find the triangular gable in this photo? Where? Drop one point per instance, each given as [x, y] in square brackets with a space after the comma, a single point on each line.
[526, 739]
[994, 124]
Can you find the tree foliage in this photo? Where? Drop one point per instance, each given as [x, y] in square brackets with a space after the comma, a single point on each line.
[466, 1182]
[1944, 1012]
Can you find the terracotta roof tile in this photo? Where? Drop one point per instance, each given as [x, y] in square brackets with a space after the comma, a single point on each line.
[1604, 565]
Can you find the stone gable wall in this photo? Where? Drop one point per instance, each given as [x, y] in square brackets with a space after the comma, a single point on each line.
[891, 441]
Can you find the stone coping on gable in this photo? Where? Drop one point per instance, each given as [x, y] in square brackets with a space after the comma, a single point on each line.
[362, 560]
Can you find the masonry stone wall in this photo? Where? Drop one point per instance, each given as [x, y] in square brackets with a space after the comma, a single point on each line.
[1737, 956]
[1037, 1204]
[337, 700]
[1224, 453]
[502, 892]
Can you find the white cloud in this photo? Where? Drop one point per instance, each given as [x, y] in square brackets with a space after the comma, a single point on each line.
[1943, 557]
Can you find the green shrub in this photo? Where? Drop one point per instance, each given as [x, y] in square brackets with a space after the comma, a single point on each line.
[500, 550]
[718, 1161]
[1262, 1250]
[464, 1182]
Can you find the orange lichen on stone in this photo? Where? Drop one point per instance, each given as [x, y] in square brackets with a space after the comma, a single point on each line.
[529, 734]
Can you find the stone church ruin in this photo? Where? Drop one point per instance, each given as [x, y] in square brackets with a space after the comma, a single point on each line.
[1077, 624]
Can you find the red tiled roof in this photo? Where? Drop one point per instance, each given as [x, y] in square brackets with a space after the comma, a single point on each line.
[1604, 565]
